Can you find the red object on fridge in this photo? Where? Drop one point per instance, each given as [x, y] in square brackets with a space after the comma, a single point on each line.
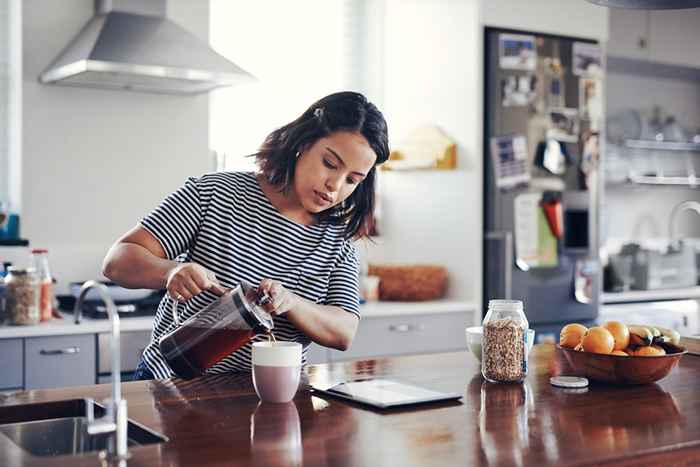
[552, 212]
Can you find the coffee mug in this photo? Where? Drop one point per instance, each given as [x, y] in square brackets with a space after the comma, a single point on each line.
[276, 370]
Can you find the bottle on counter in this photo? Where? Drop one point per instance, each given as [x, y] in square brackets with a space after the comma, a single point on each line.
[22, 296]
[40, 262]
[504, 342]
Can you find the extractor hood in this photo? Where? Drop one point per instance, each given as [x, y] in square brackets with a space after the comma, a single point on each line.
[649, 4]
[131, 45]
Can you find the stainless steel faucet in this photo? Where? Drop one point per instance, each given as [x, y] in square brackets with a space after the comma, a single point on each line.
[677, 209]
[115, 420]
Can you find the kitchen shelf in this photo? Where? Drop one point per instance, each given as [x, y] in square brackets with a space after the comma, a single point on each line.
[662, 145]
[663, 180]
[689, 179]
[19, 242]
[651, 295]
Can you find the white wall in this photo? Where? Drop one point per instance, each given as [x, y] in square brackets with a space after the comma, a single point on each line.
[576, 18]
[95, 161]
[431, 53]
[434, 67]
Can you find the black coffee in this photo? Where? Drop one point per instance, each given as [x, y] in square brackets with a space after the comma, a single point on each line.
[190, 350]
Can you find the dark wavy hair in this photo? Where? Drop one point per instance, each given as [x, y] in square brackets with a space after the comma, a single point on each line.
[342, 111]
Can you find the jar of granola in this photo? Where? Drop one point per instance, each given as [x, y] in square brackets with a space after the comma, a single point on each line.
[22, 296]
[504, 342]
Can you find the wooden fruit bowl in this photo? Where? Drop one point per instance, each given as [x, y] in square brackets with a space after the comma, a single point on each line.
[623, 370]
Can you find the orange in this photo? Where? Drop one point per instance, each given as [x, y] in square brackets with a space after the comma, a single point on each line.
[621, 353]
[598, 340]
[619, 332]
[649, 351]
[571, 335]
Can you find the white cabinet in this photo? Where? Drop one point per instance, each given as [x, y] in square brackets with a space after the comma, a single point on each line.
[675, 37]
[663, 36]
[57, 361]
[412, 334]
[11, 357]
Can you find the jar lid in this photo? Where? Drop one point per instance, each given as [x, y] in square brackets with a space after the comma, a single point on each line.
[568, 381]
[506, 305]
[39, 250]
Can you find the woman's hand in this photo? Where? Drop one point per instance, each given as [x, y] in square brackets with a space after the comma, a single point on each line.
[189, 279]
[282, 300]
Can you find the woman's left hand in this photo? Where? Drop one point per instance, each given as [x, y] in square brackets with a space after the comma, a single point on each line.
[282, 300]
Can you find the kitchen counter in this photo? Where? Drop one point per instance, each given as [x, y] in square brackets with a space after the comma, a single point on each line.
[66, 326]
[218, 420]
[651, 295]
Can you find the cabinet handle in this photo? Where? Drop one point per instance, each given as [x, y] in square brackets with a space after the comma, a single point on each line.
[405, 327]
[67, 350]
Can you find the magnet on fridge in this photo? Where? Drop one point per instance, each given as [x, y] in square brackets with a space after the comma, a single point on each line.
[551, 206]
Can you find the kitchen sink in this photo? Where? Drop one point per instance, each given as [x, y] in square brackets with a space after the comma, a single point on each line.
[59, 428]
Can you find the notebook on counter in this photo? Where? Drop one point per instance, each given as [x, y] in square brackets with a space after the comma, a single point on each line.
[385, 393]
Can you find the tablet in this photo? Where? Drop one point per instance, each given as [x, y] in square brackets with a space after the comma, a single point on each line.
[384, 393]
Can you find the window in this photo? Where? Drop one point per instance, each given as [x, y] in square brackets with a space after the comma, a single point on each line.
[299, 52]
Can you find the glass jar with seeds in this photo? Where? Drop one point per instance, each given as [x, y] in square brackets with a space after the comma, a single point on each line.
[504, 342]
[22, 296]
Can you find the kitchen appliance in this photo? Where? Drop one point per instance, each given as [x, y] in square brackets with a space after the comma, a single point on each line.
[222, 327]
[540, 228]
[129, 302]
[131, 45]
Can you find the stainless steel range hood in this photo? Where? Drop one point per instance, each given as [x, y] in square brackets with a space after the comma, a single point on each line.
[131, 45]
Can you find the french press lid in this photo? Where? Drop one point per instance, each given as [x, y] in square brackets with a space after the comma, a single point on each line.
[250, 304]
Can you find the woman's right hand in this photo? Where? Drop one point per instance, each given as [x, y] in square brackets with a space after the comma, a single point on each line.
[189, 279]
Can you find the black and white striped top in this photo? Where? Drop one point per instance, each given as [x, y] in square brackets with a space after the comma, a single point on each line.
[226, 223]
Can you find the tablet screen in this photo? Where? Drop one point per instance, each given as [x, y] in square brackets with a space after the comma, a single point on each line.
[387, 392]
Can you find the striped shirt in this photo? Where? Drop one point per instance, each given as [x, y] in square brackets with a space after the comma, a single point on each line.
[225, 222]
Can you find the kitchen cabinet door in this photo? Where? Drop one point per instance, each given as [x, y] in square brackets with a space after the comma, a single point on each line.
[400, 335]
[629, 34]
[59, 361]
[11, 363]
[675, 35]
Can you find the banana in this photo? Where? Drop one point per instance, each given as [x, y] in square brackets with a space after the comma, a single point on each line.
[640, 335]
[653, 329]
[673, 335]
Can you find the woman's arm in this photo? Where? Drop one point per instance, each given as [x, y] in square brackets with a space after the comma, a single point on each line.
[330, 326]
[137, 260]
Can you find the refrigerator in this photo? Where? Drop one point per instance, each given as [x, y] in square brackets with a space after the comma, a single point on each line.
[543, 112]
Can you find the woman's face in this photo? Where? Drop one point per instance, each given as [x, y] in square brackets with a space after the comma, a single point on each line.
[331, 169]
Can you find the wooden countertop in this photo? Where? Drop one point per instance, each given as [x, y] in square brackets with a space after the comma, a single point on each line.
[218, 420]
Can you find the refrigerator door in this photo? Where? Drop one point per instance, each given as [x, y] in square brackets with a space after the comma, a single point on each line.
[567, 290]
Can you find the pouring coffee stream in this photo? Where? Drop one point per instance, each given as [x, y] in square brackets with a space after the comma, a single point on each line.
[213, 333]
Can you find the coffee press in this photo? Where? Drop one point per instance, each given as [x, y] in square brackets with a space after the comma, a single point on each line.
[216, 331]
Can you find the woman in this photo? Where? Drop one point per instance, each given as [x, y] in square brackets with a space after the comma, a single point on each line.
[288, 228]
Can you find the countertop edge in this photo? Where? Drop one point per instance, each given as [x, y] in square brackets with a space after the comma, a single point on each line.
[368, 310]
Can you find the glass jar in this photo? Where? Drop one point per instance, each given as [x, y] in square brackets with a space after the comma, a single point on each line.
[504, 342]
[40, 262]
[22, 296]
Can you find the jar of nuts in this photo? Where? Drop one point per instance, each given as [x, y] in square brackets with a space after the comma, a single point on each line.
[22, 296]
[504, 342]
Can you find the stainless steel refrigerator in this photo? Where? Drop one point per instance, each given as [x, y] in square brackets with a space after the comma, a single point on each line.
[542, 109]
